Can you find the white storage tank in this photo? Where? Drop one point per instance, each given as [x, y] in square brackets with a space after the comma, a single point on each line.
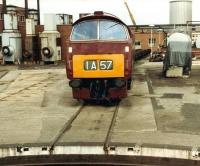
[64, 19]
[178, 58]
[198, 42]
[180, 11]
[30, 27]
[11, 9]
[33, 14]
[11, 37]
[50, 40]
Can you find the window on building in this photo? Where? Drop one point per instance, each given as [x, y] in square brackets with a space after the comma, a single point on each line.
[152, 42]
[137, 43]
[22, 18]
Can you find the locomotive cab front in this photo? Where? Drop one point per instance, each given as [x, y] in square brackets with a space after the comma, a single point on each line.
[100, 58]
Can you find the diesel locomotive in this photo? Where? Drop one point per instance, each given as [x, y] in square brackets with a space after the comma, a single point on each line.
[100, 58]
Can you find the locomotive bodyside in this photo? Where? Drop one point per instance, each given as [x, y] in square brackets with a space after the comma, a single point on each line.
[100, 58]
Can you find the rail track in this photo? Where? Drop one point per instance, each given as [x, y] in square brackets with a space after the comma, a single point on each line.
[3, 73]
[65, 128]
[69, 124]
[110, 130]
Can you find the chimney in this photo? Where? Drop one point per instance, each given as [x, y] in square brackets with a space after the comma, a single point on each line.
[38, 8]
[4, 7]
[26, 8]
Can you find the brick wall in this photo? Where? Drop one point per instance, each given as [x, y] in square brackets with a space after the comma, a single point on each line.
[65, 31]
[144, 38]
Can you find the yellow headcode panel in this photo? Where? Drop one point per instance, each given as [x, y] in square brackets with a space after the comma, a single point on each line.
[98, 66]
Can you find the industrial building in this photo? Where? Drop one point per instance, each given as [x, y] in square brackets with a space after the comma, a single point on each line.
[63, 22]
[146, 40]
[146, 37]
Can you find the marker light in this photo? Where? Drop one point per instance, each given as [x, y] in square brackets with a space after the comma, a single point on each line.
[127, 49]
[70, 49]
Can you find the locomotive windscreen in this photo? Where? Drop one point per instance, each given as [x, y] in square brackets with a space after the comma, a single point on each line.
[99, 30]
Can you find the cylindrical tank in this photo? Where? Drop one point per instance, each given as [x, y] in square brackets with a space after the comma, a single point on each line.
[11, 38]
[180, 11]
[33, 14]
[30, 27]
[11, 9]
[50, 40]
[198, 42]
[64, 19]
[50, 22]
[10, 22]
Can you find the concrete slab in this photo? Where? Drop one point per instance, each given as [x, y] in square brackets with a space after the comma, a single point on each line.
[10, 76]
[7, 78]
[2, 73]
[156, 139]
[175, 106]
[178, 108]
[136, 112]
[35, 106]
[90, 127]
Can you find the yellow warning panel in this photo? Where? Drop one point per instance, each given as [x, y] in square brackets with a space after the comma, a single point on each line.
[98, 66]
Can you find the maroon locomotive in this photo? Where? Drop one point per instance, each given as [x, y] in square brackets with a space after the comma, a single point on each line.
[100, 58]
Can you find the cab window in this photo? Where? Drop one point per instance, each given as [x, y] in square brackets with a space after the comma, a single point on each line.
[99, 30]
[110, 30]
[85, 31]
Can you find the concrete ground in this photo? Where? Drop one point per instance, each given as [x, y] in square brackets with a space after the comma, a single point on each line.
[166, 114]
[36, 104]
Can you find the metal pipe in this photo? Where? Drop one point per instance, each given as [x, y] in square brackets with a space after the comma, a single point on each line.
[26, 8]
[4, 7]
[151, 40]
[4, 10]
[151, 44]
[38, 8]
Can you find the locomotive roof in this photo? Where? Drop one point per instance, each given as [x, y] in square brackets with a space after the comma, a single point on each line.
[100, 15]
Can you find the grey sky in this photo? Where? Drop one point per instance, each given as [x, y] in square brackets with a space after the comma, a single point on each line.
[145, 11]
